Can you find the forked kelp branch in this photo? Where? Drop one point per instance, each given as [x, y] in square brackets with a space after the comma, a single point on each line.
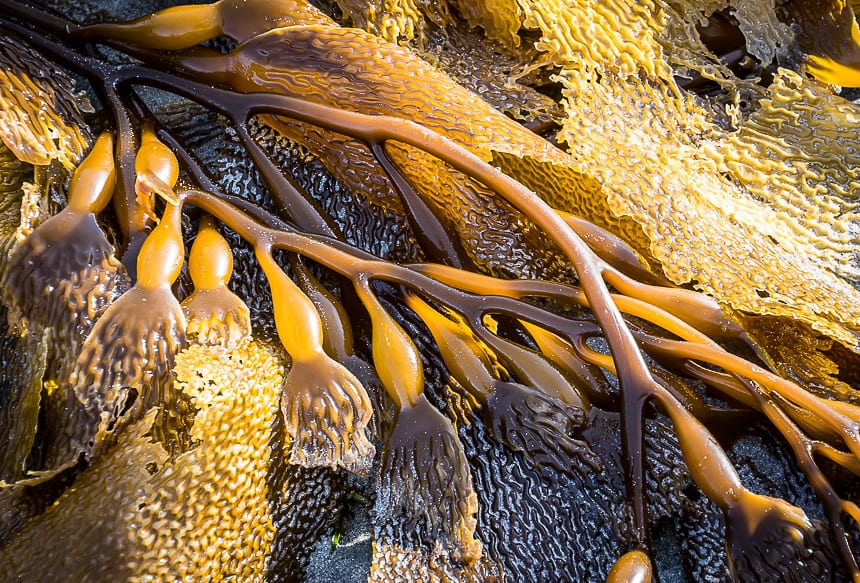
[754, 523]
[438, 463]
[805, 448]
[537, 415]
[361, 271]
[746, 382]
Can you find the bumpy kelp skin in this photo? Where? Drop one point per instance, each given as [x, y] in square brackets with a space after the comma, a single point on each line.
[812, 563]
[61, 276]
[768, 38]
[623, 111]
[123, 367]
[59, 273]
[24, 358]
[369, 76]
[23, 364]
[137, 515]
[393, 20]
[13, 173]
[69, 260]
[797, 154]
[307, 506]
[497, 73]
[697, 195]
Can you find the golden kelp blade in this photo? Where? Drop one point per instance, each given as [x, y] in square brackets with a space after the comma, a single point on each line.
[353, 70]
[635, 132]
[651, 149]
[646, 148]
[135, 514]
[41, 114]
[399, 21]
[798, 155]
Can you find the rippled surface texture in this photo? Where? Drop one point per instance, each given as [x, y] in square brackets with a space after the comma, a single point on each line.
[430, 291]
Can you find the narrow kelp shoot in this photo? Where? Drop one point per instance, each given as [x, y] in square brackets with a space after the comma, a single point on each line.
[506, 343]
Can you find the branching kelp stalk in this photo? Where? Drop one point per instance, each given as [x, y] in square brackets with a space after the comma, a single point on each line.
[545, 385]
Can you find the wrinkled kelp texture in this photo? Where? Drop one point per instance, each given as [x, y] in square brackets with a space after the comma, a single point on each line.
[408, 291]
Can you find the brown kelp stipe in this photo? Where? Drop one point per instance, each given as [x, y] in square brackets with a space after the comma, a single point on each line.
[535, 388]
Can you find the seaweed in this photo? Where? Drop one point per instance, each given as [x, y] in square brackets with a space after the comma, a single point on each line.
[532, 332]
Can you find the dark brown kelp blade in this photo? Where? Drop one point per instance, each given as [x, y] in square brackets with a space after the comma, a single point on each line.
[425, 483]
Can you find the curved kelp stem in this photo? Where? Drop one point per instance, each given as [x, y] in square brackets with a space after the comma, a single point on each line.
[363, 270]
[326, 409]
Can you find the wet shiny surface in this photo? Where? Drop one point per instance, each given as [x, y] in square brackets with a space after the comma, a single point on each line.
[374, 320]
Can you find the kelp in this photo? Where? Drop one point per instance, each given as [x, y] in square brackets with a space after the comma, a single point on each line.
[42, 117]
[802, 168]
[209, 503]
[832, 55]
[636, 275]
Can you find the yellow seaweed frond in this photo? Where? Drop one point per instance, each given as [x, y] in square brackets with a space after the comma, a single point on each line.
[137, 515]
[40, 111]
[501, 21]
[649, 149]
[396, 20]
[797, 155]
[619, 35]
